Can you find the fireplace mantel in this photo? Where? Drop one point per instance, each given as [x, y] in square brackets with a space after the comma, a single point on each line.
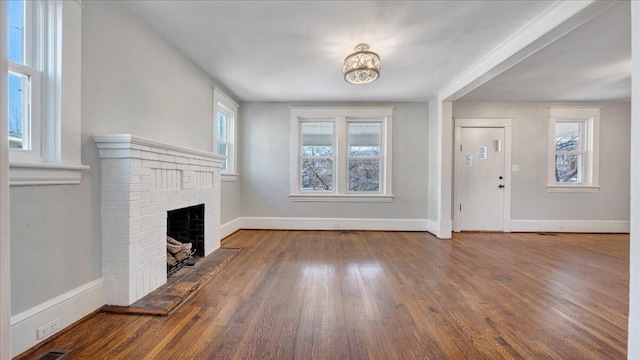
[142, 179]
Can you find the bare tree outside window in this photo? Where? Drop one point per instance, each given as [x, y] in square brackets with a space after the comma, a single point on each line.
[364, 174]
[364, 156]
[569, 152]
[317, 162]
[317, 168]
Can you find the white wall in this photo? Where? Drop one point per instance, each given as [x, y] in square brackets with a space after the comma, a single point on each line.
[264, 167]
[530, 199]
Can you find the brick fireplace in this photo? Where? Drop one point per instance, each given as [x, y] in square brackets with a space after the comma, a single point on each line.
[141, 181]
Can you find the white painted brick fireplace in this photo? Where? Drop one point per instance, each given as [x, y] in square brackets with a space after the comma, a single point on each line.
[142, 180]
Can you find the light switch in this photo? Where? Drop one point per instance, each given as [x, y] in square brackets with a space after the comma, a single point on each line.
[515, 167]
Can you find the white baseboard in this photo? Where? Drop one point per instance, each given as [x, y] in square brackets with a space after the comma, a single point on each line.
[69, 307]
[580, 226]
[433, 227]
[286, 223]
[230, 227]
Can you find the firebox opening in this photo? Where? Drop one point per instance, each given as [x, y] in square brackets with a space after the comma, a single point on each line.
[185, 225]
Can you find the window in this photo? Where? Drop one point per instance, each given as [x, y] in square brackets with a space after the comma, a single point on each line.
[24, 90]
[341, 154]
[226, 111]
[573, 152]
[364, 156]
[45, 150]
[317, 157]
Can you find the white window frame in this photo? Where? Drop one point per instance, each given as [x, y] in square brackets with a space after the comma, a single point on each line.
[341, 118]
[225, 105]
[59, 158]
[589, 120]
[32, 126]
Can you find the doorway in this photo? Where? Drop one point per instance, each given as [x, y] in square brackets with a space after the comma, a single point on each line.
[482, 175]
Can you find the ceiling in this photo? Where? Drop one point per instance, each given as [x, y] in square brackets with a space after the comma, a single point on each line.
[591, 63]
[293, 50]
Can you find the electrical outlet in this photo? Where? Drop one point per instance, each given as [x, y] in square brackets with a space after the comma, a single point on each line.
[48, 328]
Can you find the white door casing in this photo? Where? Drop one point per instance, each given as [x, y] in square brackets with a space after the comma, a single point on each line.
[482, 175]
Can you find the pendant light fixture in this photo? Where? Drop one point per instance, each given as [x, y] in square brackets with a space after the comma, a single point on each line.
[361, 67]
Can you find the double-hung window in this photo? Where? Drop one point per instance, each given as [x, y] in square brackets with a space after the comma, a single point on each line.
[44, 149]
[317, 157]
[24, 78]
[341, 154]
[364, 156]
[225, 118]
[573, 151]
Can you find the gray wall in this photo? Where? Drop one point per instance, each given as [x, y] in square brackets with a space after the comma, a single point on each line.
[134, 82]
[264, 166]
[530, 199]
[230, 198]
[53, 246]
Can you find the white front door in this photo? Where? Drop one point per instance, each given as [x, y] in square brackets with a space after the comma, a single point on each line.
[480, 165]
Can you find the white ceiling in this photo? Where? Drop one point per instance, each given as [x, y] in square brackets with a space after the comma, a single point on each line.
[591, 63]
[293, 50]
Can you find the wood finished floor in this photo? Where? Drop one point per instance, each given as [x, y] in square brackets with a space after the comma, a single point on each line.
[388, 295]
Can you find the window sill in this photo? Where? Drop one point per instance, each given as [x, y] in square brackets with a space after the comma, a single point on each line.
[229, 177]
[341, 198]
[30, 174]
[573, 188]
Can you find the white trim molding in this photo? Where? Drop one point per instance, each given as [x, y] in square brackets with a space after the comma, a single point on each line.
[573, 188]
[341, 198]
[577, 226]
[67, 308]
[230, 227]
[633, 345]
[294, 223]
[26, 173]
[433, 227]
[229, 177]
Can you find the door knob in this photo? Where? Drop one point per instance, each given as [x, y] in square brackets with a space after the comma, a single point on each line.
[500, 186]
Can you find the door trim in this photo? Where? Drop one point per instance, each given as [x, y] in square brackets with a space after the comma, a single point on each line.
[504, 123]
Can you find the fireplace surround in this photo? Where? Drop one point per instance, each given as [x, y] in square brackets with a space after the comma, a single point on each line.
[141, 181]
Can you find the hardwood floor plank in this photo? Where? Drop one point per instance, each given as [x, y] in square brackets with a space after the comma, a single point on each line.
[388, 295]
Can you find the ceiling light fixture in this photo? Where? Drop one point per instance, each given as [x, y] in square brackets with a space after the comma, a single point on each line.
[361, 67]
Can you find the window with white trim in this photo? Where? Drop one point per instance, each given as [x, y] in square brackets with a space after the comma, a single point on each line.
[225, 113]
[45, 150]
[24, 78]
[573, 149]
[341, 154]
